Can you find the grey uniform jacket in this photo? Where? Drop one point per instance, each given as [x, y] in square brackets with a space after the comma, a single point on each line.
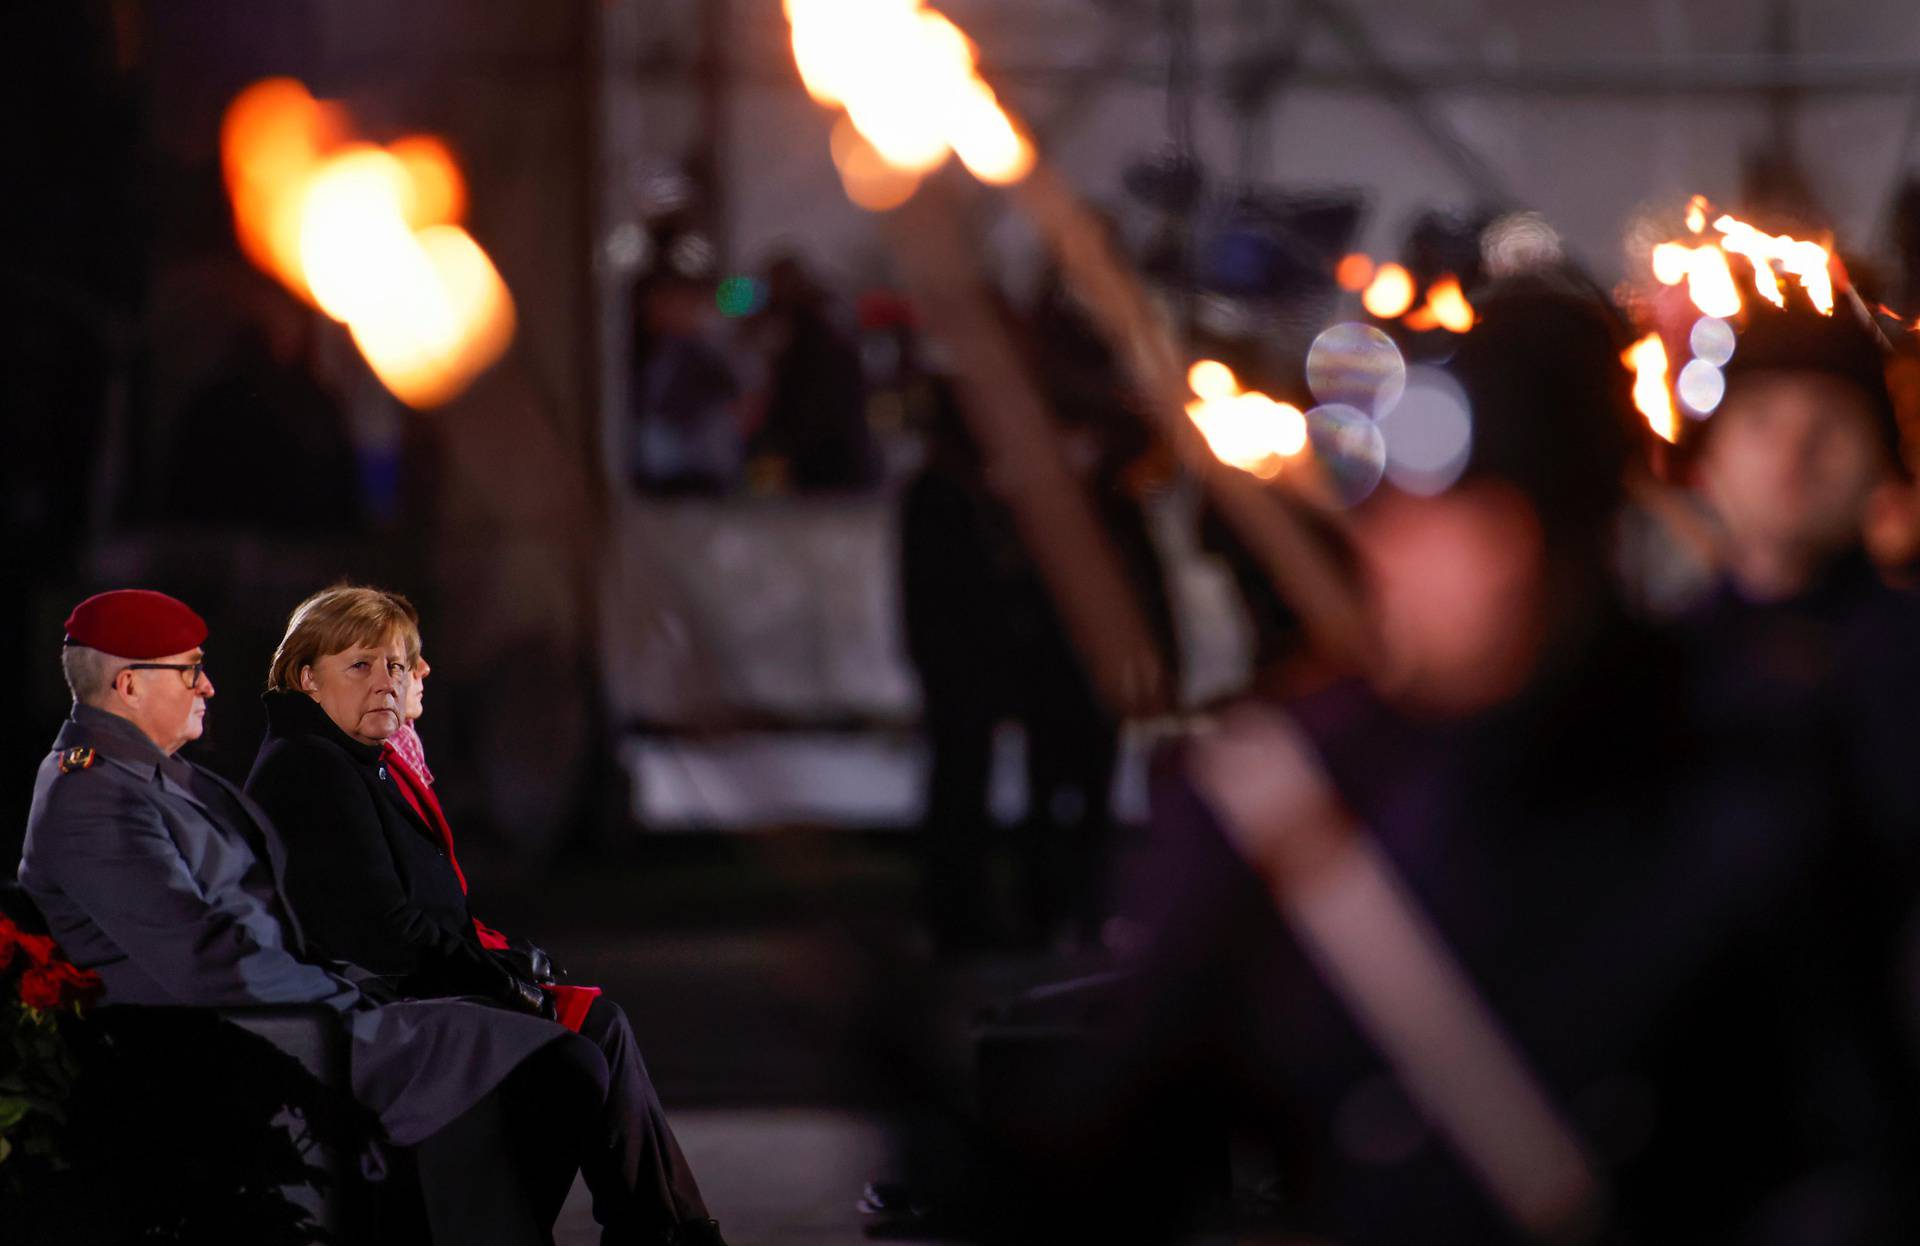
[147, 873]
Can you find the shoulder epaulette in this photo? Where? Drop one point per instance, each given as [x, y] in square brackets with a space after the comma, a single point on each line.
[76, 759]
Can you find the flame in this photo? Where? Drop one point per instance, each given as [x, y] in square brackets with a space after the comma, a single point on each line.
[1710, 283]
[1710, 280]
[905, 76]
[1243, 428]
[368, 234]
[273, 136]
[1446, 307]
[1704, 269]
[1353, 272]
[436, 193]
[1651, 392]
[1671, 262]
[1390, 292]
[1449, 305]
[1212, 381]
[870, 182]
[1810, 262]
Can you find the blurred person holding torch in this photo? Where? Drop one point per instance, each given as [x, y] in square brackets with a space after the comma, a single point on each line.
[1800, 462]
[1515, 938]
[989, 646]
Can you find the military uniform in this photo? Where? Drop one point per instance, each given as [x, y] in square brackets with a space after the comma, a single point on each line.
[157, 874]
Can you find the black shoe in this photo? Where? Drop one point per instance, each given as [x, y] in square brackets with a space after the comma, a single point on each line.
[696, 1233]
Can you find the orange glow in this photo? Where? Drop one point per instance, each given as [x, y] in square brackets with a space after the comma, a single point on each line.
[985, 140]
[1810, 262]
[1449, 305]
[471, 318]
[1243, 428]
[1671, 262]
[1353, 272]
[1651, 394]
[1211, 380]
[273, 136]
[369, 235]
[1710, 283]
[1446, 306]
[1390, 292]
[870, 182]
[905, 76]
[1704, 268]
[436, 193]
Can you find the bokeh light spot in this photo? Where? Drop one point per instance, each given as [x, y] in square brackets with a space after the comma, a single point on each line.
[1212, 380]
[1356, 365]
[1520, 242]
[1712, 340]
[738, 296]
[1429, 434]
[1390, 292]
[1701, 387]
[1348, 446]
[1353, 272]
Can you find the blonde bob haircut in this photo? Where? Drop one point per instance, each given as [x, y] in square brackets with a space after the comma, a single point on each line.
[336, 619]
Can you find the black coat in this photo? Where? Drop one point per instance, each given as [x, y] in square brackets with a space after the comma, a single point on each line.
[162, 876]
[365, 874]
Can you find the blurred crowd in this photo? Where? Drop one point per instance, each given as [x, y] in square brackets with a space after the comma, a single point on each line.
[1571, 910]
[1580, 907]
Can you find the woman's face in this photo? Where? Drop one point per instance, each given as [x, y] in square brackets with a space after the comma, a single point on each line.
[417, 688]
[362, 689]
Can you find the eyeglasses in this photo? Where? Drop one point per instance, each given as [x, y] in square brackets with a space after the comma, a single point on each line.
[190, 670]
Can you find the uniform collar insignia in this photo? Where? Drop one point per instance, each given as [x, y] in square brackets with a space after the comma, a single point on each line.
[112, 737]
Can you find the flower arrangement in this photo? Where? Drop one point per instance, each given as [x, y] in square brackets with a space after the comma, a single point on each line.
[39, 991]
[158, 1125]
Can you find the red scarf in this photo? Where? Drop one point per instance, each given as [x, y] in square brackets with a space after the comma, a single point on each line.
[570, 1002]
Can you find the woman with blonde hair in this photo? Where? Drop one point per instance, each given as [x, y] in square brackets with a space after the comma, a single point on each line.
[371, 877]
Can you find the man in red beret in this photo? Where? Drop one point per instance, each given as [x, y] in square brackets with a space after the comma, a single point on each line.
[146, 869]
[136, 654]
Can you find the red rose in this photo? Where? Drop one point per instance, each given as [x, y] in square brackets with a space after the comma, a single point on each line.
[39, 948]
[9, 939]
[40, 987]
[83, 986]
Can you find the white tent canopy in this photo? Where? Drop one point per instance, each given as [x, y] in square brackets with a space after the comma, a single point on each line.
[1583, 112]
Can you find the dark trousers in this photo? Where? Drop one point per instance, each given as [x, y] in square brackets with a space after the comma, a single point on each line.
[501, 1171]
[957, 832]
[1072, 750]
[640, 1181]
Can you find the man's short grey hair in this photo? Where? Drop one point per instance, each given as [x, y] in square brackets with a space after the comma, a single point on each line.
[89, 672]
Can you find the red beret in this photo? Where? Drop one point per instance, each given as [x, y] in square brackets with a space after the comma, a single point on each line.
[135, 623]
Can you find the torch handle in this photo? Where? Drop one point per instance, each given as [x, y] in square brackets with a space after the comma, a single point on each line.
[1330, 608]
[1024, 459]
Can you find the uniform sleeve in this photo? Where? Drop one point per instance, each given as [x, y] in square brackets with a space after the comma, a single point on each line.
[341, 880]
[117, 862]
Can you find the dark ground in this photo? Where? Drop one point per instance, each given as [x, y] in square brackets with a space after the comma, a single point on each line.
[782, 991]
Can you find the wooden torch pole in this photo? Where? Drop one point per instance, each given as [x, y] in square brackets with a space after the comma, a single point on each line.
[1023, 455]
[1332, 612]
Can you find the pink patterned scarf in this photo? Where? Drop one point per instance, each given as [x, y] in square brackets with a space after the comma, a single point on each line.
[406, 742]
